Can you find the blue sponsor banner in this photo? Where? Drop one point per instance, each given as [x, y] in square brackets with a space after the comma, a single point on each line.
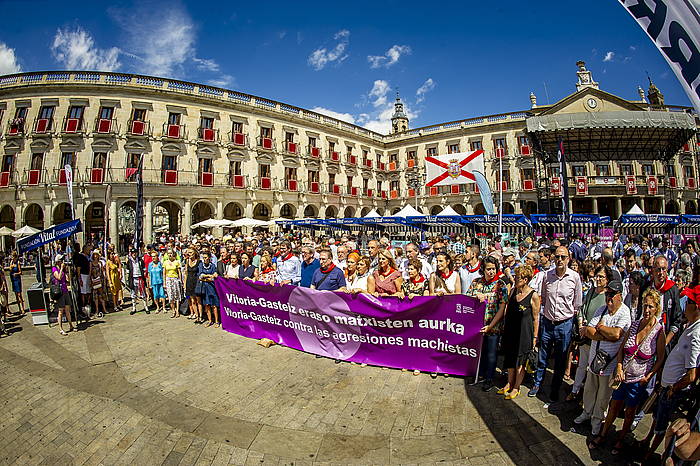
[54, 233]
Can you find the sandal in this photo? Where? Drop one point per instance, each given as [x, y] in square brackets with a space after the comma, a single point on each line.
[208, 324]
[595, 442]
[218, 325]
[617, 448]
[512, 395]
[63, 332]
[503, 391]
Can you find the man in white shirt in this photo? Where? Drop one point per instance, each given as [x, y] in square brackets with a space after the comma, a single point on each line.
[341, 261]
[471, 270]
[412, 252]
[606, 329]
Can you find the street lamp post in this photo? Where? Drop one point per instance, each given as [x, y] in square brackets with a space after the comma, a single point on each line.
[415, 180]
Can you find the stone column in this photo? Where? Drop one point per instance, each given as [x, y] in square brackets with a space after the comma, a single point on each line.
[219, 231]
[113, 224]
[148, 222]
[595, 205]
[618, 205]
[186, 218]
[642, 204]
[681, 205]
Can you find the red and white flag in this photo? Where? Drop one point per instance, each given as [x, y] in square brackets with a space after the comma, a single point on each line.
[652, 185]
[450, 169]
[631, 184]
[581, 185]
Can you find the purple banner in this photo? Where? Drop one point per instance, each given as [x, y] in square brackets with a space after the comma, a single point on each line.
[428, 333]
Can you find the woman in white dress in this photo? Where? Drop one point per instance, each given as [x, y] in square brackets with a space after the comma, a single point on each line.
[358, 283]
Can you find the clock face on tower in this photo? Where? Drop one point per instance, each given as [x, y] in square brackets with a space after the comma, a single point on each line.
[592, 103]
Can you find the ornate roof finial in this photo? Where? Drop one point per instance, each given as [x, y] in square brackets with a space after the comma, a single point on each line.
[533, 100]
[585, 77]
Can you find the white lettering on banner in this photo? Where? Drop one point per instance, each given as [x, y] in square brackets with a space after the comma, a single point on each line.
[674, 26]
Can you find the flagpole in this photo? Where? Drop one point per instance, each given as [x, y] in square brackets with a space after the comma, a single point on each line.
[500, 192]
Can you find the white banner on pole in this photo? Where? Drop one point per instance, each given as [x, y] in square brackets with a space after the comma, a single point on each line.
[449, 169]
[674, 27]
[69, 185]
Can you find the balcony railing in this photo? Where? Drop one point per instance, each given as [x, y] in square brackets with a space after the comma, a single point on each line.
[139, 128]
[33, 177]
[292, 185]
[43, 125]
[206, 179]
[313, 151]
[72, 125]
[95, 175]
[352, 159]
[7, 178]
[208, 135]
[106, 126]
[267, 144]
[291, 147]
[265, 182]
[237, 181]
[314, 187]
[333, 156]
[15, 127]
[239, 139]
[172, 131]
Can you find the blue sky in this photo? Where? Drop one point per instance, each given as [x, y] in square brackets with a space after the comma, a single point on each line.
[348, 58]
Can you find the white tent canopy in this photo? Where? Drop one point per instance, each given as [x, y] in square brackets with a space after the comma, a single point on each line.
[372, 214]
[4, 231]
[213, 222]
[635, 210]
[448, 212]
[26, 230]
[407, 211]
[249, 222]
[273, 222]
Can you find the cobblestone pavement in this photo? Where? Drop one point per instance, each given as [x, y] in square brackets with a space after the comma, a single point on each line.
[147, 389]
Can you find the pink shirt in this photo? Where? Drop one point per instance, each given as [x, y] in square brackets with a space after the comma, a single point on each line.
[561, 296]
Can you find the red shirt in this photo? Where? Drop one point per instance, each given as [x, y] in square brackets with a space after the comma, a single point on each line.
[147, 259]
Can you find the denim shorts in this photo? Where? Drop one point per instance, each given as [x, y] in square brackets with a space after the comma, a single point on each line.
[633, 394]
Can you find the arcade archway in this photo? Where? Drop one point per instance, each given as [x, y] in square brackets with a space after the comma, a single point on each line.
[310, 212]
[34, 216]
[95, 221]
[331, 212]
[61, 213]
[288, 211]
[201, 211]
[261, 212]
[233, 211]
[167, 218]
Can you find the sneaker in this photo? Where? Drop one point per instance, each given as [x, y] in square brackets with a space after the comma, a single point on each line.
[596, 426]
[583, 417]
[533, 391]
[133, 311]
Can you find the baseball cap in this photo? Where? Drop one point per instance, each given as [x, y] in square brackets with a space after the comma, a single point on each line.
[615, 286]
[58, 258]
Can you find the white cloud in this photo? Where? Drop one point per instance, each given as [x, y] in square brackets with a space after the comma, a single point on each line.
[347, 117]
[426, 87]
[76, 50]
[380, 88]
[8, 60]
[164, 43]
[206, 64]
[609, 56]
[321, 57]
[225, 80]
[390, 57]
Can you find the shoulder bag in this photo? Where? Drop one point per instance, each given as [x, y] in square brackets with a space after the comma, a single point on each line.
[612, 383]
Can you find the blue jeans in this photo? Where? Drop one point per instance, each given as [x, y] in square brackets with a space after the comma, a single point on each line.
[489, 349]
[554, 337]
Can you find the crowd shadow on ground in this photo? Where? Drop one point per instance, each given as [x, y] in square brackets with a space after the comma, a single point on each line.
[533, 437]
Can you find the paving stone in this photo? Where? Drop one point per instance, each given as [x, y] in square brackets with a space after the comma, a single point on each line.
[355, 449]
[427, 448]
[287, 443]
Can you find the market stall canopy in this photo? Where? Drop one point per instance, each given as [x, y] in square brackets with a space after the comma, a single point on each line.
[248, 222]
[643, 223]
[26, 230]
[372, 214]
[407, 211]
[635, 210]
[448, 212]
[4, 231]
[213, 222]
[605, 136]
[577, 223]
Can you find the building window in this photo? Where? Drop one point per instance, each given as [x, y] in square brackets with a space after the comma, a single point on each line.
[169, 162]
[393, 157]
[626, 169]
[523, 141]
[46, 112]
[453, 148]
[500, 143]
[349, 186]
[206, 123]
[528, 173]
[579, 170]
[602, 170]
[290, 173]
[37, 161]
[265, 132]
[205, 166]
[138, 114]
[99, 160]
[21, 113]
[331, 181]
[331, 146]
[8, 162]
[174, 118]
[394, 185]
[288, 137]
[411, 155]
[67, 158]
[312, 142]
[556, 171]
[688, 171]
[348, 150]
[379, 185]
[475, 145]
[106, 113]
[264, 170]
[313, 176]
[648, 169]
[671, 170]
[234, 167]
[431, 151]
[365, 184]
[132, 160]
[237, 127]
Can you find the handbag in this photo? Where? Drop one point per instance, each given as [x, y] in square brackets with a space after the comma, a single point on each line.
[600, 361]
[55, 291]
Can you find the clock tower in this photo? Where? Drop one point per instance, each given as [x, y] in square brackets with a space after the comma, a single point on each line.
[399, 120]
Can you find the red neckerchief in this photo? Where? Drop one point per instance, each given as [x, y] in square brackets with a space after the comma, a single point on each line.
[390, 272]
[496, 277]
[666, 286]
[421, 279]
[268, 270]
[446, 276]
[287, 257]
[328, 269]
[535, 271]
[277, 254]
[475, 269]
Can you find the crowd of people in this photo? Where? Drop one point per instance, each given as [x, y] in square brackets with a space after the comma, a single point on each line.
[620, 321]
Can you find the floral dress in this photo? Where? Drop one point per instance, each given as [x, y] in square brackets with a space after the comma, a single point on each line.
[496, 292]
[417, 288]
